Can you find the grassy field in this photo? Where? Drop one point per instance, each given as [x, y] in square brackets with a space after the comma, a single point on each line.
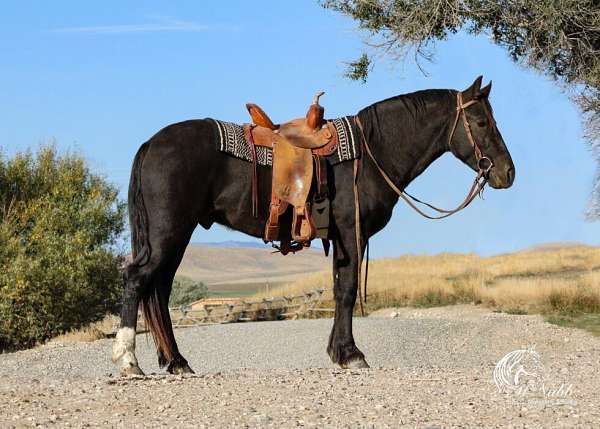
[563, 284]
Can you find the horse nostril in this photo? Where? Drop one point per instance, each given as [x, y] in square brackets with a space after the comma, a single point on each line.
[510, 175]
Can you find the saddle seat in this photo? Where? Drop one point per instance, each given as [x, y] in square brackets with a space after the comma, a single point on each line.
[298, 147]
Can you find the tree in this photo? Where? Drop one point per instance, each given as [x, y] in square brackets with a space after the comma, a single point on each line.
[59, 227]
[558, 38]
[185, 291]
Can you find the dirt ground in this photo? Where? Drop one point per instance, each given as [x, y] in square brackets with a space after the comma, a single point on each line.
[430, 369]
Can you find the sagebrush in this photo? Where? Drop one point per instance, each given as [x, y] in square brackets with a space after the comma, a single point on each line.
[186, 290]
[59, 227]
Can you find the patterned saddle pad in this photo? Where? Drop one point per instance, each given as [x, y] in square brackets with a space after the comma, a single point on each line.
[230, 139]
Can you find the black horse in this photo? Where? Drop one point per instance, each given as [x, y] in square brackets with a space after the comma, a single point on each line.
[179, 180]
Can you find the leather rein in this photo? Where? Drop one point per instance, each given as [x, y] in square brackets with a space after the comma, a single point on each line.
[476, 189]
[480, 179]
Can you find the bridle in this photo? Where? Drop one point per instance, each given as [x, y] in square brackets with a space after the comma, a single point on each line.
[479, 156]
[484, 164]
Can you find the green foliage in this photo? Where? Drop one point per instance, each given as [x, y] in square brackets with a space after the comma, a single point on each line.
[587, 321]
[559, 38]
[185, 291]
[359, 69]
[59, 224]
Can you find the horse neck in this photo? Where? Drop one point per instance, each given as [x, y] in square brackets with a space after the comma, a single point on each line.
[406, 141]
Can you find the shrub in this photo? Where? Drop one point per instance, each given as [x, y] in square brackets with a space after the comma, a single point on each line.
[59, 226]
[185, 291]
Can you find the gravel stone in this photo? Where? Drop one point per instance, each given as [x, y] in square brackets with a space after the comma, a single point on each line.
[430, 369]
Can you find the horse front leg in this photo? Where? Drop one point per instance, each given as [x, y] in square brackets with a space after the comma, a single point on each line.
[342, 349]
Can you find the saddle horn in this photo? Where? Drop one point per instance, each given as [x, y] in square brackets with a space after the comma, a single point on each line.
[314, 116]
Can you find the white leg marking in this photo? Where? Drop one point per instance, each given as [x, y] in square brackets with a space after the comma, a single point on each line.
[123, 353]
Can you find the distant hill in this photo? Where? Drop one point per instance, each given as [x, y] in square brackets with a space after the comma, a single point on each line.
[555, 245]
[241, 268]
[235, 244]
[247, 262]
[255, 244]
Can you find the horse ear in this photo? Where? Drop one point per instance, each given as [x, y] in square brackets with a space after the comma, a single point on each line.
[485, 91]
[472, 91]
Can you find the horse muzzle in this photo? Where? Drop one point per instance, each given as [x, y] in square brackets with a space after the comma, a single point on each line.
[502, 176]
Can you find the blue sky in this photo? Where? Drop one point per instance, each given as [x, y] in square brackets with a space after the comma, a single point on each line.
[103, 77]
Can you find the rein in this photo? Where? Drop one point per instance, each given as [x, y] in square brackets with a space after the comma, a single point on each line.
[476, 189]
[478, 183]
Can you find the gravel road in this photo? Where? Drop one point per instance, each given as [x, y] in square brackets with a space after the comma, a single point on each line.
[430, 368]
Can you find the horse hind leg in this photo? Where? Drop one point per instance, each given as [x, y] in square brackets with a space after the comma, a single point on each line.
[149, 286]
[157, 309]
[123, 353]
[137, 275]
[167, 254]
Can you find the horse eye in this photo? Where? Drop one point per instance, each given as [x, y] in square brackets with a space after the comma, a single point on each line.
[481, 124]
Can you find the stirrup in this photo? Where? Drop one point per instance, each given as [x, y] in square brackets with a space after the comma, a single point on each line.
[286, 247]
[303, 229]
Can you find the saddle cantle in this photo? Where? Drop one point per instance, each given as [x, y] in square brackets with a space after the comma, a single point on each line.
[298, 149]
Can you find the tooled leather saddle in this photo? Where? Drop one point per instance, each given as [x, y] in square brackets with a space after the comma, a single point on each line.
[299, 180]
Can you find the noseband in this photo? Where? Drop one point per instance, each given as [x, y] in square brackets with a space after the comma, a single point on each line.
[480, 179]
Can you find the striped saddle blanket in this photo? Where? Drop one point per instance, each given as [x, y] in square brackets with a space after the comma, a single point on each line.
[230, 139]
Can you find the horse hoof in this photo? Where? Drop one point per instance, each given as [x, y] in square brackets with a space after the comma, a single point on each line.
[355, 364]
[131, 371]
[180, 369]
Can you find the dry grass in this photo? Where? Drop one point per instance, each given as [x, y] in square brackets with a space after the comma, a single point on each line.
[563, 284]
[562, 281]
[93, 332]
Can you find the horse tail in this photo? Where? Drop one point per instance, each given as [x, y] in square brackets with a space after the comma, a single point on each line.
[156, 321]
[138, 216]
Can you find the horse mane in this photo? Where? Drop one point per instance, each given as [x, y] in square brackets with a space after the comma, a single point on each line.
[406, 113]
[416, 103]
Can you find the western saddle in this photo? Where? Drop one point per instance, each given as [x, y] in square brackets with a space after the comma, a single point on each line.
[298, 147]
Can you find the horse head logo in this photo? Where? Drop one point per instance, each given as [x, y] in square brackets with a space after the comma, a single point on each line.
[519, 371]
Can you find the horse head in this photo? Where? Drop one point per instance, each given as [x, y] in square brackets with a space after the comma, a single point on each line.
[476, 140]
